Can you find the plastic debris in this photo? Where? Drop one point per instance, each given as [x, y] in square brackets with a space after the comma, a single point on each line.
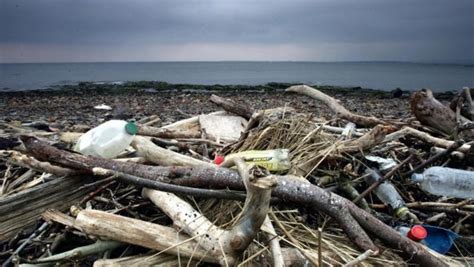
[384, 164]
[416, 233]
[439, 239]
[387, 193]
[448, 182]
[103, 107]
[273, 160]
[107, 140]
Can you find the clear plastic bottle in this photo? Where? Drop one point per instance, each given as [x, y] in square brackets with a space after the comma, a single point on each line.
[448, 182]
[107, 140]
[387, 193]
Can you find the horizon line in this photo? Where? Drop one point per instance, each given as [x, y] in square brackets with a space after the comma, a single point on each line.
[254, 61]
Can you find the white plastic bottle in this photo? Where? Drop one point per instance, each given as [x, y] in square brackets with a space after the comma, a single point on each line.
[449, 182]
[107, 140]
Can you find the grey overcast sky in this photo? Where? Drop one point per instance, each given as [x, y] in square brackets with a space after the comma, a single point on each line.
[210, 30]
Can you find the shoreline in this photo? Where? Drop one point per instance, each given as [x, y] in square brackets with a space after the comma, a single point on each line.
[160, 87]
[74, 104]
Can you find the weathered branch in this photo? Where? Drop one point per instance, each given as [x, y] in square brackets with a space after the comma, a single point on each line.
[429, 111]
[23, 160]
[467, 105]
[424, 137]
[274, 243]
[133, 231]
[256, 205]
[362, 257]
[151, 260]
[192, 132]
[335, 107]
[232, 106]
[96, 248]
[171, 188]
[223, 245]
[161, 156]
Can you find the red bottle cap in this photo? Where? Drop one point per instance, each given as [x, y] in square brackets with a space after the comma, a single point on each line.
[417, 233]
[218, 159]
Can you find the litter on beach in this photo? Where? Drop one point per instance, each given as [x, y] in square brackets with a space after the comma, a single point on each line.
[240, 184]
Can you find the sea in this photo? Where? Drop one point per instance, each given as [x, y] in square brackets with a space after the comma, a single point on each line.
[374, 75]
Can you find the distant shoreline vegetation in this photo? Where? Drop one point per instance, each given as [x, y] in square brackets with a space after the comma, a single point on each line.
[160, 87]
[385, 76]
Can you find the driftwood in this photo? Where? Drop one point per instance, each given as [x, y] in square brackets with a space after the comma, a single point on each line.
[464, 99]
[191, 132]
[161, 260]
[430, 112]
[233, 107]
[162, 156]
[23, 160]
[96, 222]
[348, 215]
[408, 131]
[22, 209]
[133, 231]
[224, 245]
[98, 247]
[335, 107]
[274, 243]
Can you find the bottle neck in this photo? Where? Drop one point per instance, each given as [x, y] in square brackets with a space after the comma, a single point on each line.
[417, 177]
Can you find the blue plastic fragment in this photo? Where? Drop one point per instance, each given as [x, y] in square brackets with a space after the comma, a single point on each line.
[439, 239]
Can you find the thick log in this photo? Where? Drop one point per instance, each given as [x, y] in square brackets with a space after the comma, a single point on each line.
[335, 107]
[430, 112]
[141, 233]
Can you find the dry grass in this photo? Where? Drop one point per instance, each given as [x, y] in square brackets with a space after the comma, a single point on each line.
[336, 248]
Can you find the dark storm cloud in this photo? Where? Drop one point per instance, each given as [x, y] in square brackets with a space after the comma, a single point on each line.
[430, 27]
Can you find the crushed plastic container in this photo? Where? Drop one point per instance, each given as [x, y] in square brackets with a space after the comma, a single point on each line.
[448, 182]
[107, 140]
[273, 160]
[416, 233]
[387, 193]
[439, 239]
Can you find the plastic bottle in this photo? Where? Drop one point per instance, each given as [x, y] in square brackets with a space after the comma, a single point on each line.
[387, 193]
[449, 182]
[416, 233]
[107, 140]
[273, 160]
